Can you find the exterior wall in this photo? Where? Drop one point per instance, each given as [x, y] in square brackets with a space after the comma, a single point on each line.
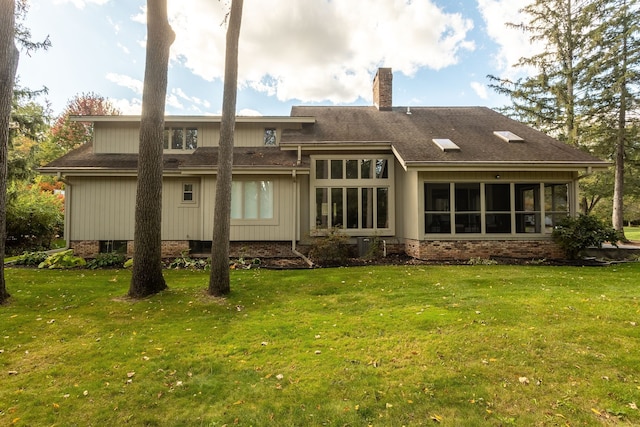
[442, 250]
[116, 138]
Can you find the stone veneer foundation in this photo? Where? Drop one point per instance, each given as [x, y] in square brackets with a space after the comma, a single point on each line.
[442, 250]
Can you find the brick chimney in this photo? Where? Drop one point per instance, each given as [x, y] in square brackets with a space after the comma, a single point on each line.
[382, 89]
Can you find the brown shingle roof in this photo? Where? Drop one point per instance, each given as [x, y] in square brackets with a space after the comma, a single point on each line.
[411, 135]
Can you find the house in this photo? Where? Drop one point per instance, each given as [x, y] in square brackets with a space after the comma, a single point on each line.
[435, 182]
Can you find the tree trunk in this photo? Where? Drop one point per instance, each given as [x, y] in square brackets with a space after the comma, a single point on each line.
[147, 276]
[219, 280]
[8, 67]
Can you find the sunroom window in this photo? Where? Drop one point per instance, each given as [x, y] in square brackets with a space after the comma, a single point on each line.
[494, 208]
[353, 193]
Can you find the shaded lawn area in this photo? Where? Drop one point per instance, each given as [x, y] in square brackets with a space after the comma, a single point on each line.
[382, 346]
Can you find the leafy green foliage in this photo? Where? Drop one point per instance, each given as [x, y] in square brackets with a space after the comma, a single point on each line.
[331, 249]
[34, 218]
[184, 261]
[106, 260]
[31, 259]
[62, 260]
[576, 234]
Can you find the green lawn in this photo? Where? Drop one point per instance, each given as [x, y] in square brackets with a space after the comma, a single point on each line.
[632, 233]
[380, 346]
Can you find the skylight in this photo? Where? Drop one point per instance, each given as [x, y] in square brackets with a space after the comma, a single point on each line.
[446, 144]
[508, 136]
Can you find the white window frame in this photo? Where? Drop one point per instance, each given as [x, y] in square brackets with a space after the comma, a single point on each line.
[349, 181]
[267, 137]
[193, 191]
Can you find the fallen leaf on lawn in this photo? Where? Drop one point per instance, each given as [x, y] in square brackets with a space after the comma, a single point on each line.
[523, 380]
[633, 405]
[56, 406]
[595, 411]
[130, 374]
[239, 402]
[437, 418]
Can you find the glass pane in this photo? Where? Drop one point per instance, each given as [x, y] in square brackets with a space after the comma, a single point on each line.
[367, 208]
[528, 223]
[467, 197]
[322, 208]
[437, 223]
[551, 220]
[266, 200]
[352, 169]
[556, 198]
[527, 197]
[468, 223]
[177, 136]
[382, 172]
[382, 207]
[365, 169]
[337, 219]
[270, 137]
[236, 200]
[498, 197]
[436, 197]
[192, 139]
[322, 169]
[336, 169]
[352, 208]
[250, 200]
[498, 223]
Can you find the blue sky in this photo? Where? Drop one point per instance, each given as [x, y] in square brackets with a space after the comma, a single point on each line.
[292, 52]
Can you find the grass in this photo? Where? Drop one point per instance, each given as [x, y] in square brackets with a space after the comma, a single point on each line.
[381, 346]
[632, 233]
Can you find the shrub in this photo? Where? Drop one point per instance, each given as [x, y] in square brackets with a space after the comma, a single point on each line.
[331, 249]
[31, 259]
[62, 260]
[186, 262]
[104, 260]
[577, 234]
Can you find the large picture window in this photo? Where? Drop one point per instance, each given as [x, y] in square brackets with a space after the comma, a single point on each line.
[494, 208]
[353, 193]
[252, 200]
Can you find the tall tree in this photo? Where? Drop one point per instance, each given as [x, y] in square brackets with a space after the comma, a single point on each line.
[219, 281]
[612, 88]
[549, 100]
[147, 276]
[69, 134]
[9, 56]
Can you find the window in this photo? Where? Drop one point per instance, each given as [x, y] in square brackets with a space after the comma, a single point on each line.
[177, 138]
[270, 136]
[352, 193]
[110, 246]
[252, 200]
[188, 193]
[493, 208]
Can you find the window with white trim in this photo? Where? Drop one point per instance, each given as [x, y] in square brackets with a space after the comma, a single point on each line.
[180, 138]
[353, 193]
[252, 200]
[270, 136]
[188, 193]
[494, 208]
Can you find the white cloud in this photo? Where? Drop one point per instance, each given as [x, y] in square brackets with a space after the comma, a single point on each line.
[80, 4]
[480, 90]
[126, 81]
[128, 106]
[320, 50]
[513, 43]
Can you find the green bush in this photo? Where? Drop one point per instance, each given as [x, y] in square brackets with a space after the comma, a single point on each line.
[34, 218]
[62, 260]
[31, 259]
[106, 260]
[330, 250]
[184, 261]
[577, 234]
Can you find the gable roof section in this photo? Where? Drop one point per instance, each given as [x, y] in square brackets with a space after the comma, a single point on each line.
[411, 136]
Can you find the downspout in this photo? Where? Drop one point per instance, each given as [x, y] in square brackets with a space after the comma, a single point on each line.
[296, 211]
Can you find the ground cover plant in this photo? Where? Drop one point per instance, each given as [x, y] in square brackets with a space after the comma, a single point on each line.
[472, 345]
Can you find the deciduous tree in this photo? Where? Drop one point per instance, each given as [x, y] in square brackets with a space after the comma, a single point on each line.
[147, 276]
[219, 280]
[9, 56]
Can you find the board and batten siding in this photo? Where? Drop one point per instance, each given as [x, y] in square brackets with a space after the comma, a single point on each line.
[120, 138]
[104, 209]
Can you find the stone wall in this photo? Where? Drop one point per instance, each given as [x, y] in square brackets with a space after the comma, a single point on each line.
[442, 250]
